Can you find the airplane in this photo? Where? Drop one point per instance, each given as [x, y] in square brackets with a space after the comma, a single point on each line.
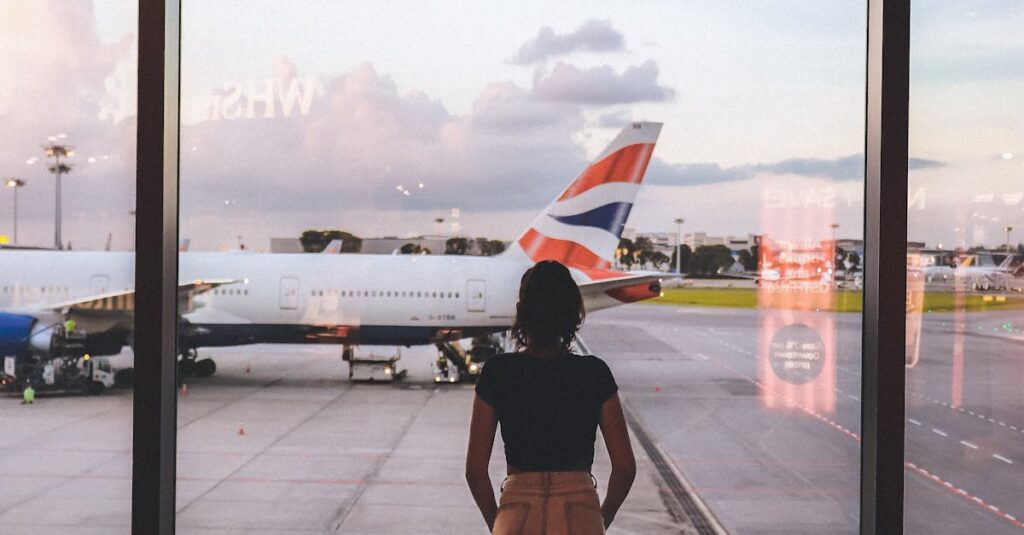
[984, 271]
[231, 299]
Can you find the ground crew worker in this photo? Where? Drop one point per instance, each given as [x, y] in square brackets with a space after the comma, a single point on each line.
[28, 396]
[69, 326]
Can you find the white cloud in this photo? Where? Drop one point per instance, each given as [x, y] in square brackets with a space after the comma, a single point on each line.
[593, 36]
[601, 85]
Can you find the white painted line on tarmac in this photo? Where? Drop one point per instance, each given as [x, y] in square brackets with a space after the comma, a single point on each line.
[853, 397]
[969, 445]
[940, 432]
[1001, 458]
[913, 421]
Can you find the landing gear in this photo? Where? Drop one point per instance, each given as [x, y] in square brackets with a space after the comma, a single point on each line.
[190, 365]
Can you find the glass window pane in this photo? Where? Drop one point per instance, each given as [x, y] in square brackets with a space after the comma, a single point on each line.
[965, 430]
[67, 165]
[380, 176]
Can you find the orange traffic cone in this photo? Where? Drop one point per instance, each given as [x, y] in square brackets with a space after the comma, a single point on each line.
[241, 430]
[184, 389]
[657, 388]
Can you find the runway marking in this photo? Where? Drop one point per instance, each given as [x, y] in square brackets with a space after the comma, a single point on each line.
[969, 445]
[1001, 458]
[972, 413]
[940, 432]
[944, 484]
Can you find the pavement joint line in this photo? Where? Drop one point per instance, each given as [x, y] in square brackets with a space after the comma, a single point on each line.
[259, 454]
[371, 475]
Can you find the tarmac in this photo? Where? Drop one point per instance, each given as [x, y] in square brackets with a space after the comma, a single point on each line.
[278, 441]
[766, 460]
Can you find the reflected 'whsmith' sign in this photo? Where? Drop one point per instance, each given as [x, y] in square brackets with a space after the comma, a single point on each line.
[268, 98]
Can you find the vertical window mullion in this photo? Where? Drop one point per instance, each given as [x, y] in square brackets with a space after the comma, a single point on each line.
[885, 249]
[156, 269]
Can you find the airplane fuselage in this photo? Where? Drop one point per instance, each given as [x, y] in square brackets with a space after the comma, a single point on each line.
[294, 298]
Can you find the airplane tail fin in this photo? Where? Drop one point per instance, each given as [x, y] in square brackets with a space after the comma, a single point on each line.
[582, 226]
[333, 248]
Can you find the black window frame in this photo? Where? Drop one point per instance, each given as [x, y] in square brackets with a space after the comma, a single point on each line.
[156, 267]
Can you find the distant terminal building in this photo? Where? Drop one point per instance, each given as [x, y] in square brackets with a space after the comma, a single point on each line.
[734, 243]
[285, 245]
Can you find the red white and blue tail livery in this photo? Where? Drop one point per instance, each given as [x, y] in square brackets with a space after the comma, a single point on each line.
[582, 227]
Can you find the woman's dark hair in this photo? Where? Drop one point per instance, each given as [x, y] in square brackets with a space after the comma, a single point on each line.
[550, 308]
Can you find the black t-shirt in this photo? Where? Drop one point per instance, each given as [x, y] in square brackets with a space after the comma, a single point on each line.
[548, 407]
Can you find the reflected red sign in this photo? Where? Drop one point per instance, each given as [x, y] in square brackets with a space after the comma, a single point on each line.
[796, 291]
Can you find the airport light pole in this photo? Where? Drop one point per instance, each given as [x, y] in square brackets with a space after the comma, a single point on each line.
[1008, 230]
[59, 168]
[15, 184]
[679, 244]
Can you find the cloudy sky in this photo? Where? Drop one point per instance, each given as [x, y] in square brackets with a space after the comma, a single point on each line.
[494, 107]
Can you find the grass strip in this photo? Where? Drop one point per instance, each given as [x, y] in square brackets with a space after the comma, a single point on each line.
[844, 300]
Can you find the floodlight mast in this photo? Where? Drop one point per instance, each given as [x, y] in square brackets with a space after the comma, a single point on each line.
[59, 168]
[15, 184]
[679, 244]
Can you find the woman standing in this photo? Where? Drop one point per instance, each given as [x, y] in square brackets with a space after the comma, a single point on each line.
[550, 403]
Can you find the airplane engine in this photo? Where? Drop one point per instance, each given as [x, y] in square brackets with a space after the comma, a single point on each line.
[20, 333]
[15, 333]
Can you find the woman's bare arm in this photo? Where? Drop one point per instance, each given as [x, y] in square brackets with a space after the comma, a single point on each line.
[478, 457]
[616, 439]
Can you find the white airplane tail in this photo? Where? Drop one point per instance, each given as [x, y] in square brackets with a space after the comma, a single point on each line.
[581, 228]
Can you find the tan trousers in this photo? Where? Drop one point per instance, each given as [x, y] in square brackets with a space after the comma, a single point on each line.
[549, 503]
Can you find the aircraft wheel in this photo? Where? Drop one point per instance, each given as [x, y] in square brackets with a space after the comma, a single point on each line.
[186, 367]
[205, 368]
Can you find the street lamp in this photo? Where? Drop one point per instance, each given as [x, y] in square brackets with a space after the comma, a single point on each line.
[1008, 230]
[59, 168]
[15, 184]
[679, 244]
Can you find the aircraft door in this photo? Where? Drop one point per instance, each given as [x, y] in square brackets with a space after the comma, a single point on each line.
[476, 296]
[99, 284]
[288, 298]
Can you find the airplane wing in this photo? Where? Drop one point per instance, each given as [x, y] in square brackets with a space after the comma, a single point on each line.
[123, 301]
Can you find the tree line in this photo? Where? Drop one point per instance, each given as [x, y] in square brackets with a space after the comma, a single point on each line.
[315, 241]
